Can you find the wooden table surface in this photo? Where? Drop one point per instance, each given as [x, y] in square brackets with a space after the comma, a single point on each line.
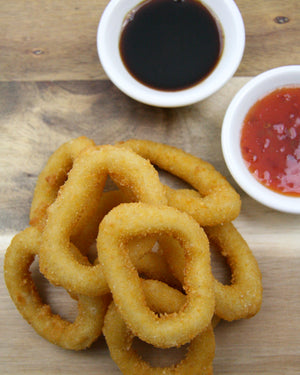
[53, 88]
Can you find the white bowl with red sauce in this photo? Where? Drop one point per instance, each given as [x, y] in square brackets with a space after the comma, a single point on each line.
[232, 42]
[266, 164]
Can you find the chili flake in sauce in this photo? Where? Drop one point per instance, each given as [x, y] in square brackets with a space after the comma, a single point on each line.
[270, 141]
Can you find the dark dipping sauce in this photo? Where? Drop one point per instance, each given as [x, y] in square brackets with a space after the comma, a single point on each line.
[170, 45]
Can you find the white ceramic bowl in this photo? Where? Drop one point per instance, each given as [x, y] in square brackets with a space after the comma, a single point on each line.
[108, 34]
[254, 90]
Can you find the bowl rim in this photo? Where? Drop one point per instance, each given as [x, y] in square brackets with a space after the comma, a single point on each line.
[255, 89]
[121, 78]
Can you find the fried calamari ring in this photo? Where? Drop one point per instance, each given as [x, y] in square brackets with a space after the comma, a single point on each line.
[91, 310]
[50, 180]
[218, 201]
[151, 264]
[134, 219]
[81, 191]
[53, 176]
[243, 297]
[148, 263]
[246, 290]
[161, 299]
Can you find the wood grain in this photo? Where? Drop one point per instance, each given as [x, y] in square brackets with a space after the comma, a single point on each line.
[52, 88]
[270, 43]
[56, 40]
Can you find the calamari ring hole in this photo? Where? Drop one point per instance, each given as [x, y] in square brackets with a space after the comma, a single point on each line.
[110, 184]
[171, 180]
[148, 259]
[57, 298]
[219, 265]
[157, 357]
[138, 244]
[58, 179]
[91, 251]
[92, 254]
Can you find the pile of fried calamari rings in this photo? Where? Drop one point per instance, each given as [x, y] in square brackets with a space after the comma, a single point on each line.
[152, 277]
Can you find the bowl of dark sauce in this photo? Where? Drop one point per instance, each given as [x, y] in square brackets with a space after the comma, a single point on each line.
[170, 53]
[163, 42]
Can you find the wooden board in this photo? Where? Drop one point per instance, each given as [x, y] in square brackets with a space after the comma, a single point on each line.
[51, 40]
[49, 97]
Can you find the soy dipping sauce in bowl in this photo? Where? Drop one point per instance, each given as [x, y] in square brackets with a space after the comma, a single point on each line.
[170, 53]
[170, 44]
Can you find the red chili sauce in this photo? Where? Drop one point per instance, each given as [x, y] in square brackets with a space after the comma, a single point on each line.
[270, 141]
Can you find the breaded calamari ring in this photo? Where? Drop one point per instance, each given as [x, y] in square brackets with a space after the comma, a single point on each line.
[243, 297]
[50, 180]
[129, 220]
[53, 176]
[218, 201]
[91, 310]
[152, 264]
[83, 190]
[148, 263]
[119, 338]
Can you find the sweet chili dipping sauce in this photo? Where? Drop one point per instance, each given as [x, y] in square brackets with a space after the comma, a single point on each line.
[170, 44]
[270, 141]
